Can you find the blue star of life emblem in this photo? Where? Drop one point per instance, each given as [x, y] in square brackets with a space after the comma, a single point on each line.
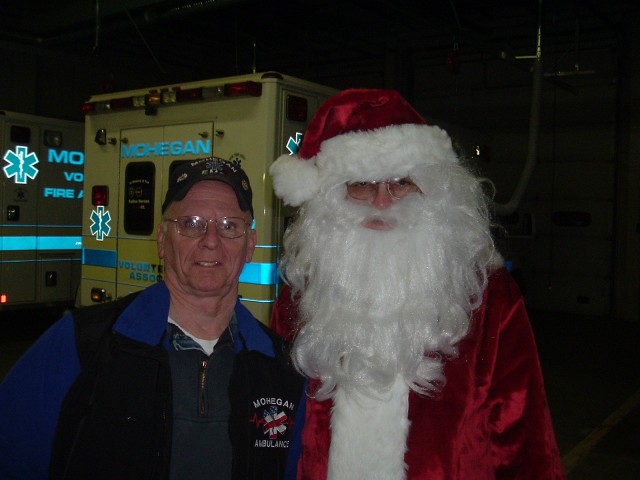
[293, 145]
[21, 164]
[100, 226]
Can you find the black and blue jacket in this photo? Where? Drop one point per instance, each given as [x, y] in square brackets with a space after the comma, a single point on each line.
[92, 398]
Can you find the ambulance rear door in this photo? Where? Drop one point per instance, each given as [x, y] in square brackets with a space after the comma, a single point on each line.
[148, 154]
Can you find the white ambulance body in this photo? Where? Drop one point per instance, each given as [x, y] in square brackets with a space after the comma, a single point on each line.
[134, 139]
[41, 206]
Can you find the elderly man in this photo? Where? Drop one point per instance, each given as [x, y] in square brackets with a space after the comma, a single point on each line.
[421, 359]
[179, 381]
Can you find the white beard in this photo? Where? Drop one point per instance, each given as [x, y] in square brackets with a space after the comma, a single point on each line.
[382, 310]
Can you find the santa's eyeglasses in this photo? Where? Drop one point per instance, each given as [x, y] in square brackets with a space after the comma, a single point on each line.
[397, 188]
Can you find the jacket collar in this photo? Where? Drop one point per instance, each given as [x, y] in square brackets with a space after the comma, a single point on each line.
[145, 320]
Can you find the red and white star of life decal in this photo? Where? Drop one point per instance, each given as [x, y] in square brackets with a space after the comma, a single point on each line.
[275, 423]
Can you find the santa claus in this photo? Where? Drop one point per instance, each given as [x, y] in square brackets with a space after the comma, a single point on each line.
[415, 339]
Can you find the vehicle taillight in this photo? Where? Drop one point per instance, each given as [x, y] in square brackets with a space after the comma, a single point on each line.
[243, 89]
[3, 298]
[297, 108]
[88, 108]
[99, 295]
[100, 195]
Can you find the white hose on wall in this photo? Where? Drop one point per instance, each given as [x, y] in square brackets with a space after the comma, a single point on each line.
[504, 209]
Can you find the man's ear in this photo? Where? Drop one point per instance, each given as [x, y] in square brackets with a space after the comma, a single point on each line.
[252, 240]
[160, 234]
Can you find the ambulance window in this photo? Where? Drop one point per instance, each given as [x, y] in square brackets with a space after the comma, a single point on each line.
[139, 194]
[20, 134]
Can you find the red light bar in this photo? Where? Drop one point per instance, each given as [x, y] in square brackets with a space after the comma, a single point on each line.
[100, 195]
[243, 89]
[121, 103]
[190, 94]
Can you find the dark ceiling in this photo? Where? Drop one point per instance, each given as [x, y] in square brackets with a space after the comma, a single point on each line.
[408, 45]
[187, 40]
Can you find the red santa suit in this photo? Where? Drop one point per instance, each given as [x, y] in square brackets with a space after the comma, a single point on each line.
[490, 421]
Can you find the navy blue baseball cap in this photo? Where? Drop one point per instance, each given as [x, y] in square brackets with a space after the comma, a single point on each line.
[188, 174]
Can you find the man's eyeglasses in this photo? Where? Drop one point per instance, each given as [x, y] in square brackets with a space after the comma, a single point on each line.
[397, 188]
[194, 226]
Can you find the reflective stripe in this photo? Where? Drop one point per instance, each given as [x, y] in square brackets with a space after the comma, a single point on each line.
[99, 258]
[17, 243]
[36, 225]
[40, 243]
[59, 243]
[256, 273]
[260, 273]
[42, 260]
[255, 300]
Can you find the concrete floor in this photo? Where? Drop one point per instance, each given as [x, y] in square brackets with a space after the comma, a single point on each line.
[592, 375]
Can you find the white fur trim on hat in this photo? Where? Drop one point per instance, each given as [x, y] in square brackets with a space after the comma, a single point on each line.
[383, 153]
[379, 154]
[294, 180]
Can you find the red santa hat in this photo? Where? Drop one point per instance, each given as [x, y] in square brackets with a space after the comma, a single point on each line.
[359, 134]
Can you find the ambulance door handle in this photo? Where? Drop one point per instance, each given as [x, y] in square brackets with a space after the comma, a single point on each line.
[204, 134]
[219, 133]
[124, 140]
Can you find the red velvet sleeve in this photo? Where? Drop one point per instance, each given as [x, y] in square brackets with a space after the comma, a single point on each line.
[523, 442]
[491, 420]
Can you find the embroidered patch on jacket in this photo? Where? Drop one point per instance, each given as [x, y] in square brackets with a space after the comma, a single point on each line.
[272, 418]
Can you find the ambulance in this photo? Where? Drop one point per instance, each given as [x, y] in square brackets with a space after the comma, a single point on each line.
[135, 139]
[41, 197]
